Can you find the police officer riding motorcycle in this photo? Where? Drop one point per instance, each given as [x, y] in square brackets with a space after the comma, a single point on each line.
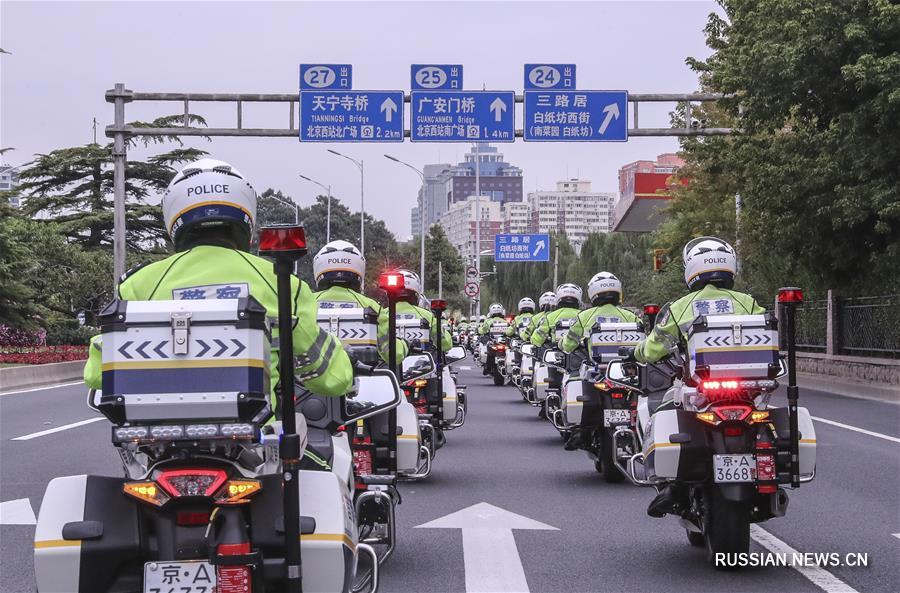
[492, 343]
[547, 332]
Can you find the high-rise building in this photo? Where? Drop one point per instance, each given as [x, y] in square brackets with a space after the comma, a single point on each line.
[643, 193]
[516, 217]
[459, 224]
[447, 184]
[9, 177]
[572, 209]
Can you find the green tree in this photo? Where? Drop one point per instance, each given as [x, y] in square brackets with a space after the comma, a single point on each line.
[17, 307]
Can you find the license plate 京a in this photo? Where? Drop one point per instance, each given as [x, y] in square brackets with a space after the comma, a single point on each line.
[196, 576]
[613, 417]
[734, 468]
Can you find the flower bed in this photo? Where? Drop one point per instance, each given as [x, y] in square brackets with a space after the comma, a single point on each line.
[41, 354]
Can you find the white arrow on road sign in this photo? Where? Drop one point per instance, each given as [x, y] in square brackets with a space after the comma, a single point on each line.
[498, 106]
[490, 554]
[388, 107]
[17, 512]
[540, 245]
[612, 112]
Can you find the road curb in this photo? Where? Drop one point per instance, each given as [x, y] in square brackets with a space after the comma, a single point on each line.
[850, 388]
[36, 375]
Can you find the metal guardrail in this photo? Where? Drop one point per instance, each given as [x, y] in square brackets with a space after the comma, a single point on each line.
[870, 326]
[812, 326]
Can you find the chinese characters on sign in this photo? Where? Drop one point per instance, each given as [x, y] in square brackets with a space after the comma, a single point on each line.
[464, 116]
[351, 116]
[576, 116]
[519, 247]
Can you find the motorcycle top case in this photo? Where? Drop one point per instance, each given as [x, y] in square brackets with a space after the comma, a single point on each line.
[562, 328]
[498, 328]
[607, 337]
[411, 327]
[733, 347]
[356, 327]
[186, 359]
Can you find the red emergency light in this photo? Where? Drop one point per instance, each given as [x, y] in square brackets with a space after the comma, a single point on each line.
[790, 294]
[391, 282]
[438, 305]
[651, 309]
[282, 241]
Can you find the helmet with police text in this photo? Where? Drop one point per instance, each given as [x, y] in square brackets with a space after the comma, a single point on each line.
[708, 260]
[496, 310]
[526, 305]
[339, 262]
[547, 300]
[569, 295]
[211, 198]
[604, 288]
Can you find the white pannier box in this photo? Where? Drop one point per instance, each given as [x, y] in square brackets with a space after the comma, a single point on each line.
[355, 326]
[411, 328]
[607, 337]
[186, 360]
[733, 347]
[562, 328]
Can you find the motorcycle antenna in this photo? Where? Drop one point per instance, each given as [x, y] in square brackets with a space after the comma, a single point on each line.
[789, 298]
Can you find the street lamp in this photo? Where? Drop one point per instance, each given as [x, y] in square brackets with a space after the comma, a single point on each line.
[421, 220]
[362, 203]
[328, 216]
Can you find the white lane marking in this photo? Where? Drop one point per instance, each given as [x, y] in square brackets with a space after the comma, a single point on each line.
[35, 435]
[17, 512]
[817, 575]
[897, 535]
[490, 555]
[2, 393]
[886, 437]
[465, 368]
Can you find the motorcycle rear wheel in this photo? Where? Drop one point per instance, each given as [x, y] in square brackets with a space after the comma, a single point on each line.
[726, 526]
[610, 472]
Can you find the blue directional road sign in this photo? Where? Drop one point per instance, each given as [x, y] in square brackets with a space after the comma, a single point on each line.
[436, 77]
[522, 247]
[462, 116]
[351, 116]
[326, 76]
[549, 76]
[576, 116]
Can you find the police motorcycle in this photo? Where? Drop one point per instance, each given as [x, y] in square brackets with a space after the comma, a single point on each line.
[494, 345]
[707, 432]
[211, 498]
[592, 408]
[548, 376]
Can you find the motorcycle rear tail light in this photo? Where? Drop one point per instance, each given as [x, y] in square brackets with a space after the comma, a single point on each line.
[147, 492]
[766, 488]
[734, 413]
[617, 395]
[192, 482]
[192, 518]
[238, 491]
[733, 431]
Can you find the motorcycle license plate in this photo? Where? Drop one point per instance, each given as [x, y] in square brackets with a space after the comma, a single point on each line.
[734, 468]
[614, 417]
[179, 577]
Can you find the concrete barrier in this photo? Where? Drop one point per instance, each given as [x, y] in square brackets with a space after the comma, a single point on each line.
[35, 375]
[876, 371]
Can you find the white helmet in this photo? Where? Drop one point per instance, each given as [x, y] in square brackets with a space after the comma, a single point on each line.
[481, 318]
[526, 303]
[708, 259]
[209, 193]
[604, 282]
[548, 299]
[411, 281]
[496, 309]
[569, 292]
[339, 261]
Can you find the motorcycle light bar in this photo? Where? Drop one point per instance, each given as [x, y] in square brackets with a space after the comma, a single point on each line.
[790, 294]
[282, 240]
[719, 387]
[391, 282]
[192, 482]
[179, 432]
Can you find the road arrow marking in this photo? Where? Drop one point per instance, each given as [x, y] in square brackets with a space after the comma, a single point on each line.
[612, 112]
[17, 512]
[540, 245]
[498, 106]
[490, 554]
[388, 107]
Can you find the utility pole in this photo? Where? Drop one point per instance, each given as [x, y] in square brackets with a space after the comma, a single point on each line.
[478, 226]
[440, 279]
[327, 188]
[362, 199]
[95, 130]
[556, 267]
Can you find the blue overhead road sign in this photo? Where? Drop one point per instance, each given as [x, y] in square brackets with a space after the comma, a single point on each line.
[576, 116]
[326, 76]
[436, 77]
[462, 116]
[549, 76]
[351, 116]
[520, 247]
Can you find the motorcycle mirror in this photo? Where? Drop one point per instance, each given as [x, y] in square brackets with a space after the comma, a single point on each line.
[93, 399]
[623, 374]
[455, 354]
[417, 365]
[528, 349]
[554, 357]
[375, 393]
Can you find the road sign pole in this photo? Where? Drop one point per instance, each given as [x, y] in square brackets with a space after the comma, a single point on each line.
[556, 266]
[478, 223]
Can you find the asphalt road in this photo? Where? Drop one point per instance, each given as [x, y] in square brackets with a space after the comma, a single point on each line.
[505, 456]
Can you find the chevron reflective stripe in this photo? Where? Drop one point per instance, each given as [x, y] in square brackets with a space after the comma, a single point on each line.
[323, 365]
[313, 353]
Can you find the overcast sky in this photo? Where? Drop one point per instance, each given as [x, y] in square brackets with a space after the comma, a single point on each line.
[65, 55]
